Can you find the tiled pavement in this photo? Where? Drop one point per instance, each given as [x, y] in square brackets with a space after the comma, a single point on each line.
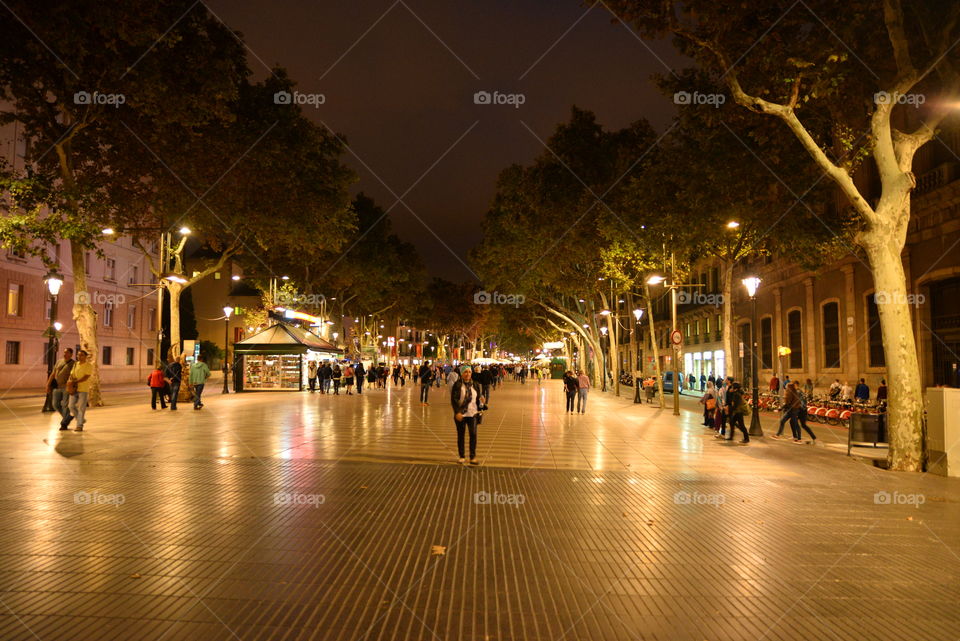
[299, 516]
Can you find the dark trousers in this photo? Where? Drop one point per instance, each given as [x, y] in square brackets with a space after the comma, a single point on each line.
[359, 385]
[736, 421]
[790, 415]
[471, 423]
[197, 393]
[570, 400]
[802, 416]
[155, 393]
[336, 386]
[312, 380]
[486, 392]
[174, 393]
[425, 392]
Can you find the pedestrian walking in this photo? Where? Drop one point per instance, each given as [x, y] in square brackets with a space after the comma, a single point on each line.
[425, 382]
[736, 409]
[360, 373]
[467, 401]
[570, 387]
[791, 411]
[808, 389]
[57, 383]
[703, 382]
[583, 386]
[336, 374]
[174, 376]
[156, 380]
[348, 379]
[650, 387]
[312, 375]
[882, 391]
[199, 373]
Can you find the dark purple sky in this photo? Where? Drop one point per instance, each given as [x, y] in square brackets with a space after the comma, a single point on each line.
[403, 98]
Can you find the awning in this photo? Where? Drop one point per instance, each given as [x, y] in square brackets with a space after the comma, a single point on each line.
[286, 339]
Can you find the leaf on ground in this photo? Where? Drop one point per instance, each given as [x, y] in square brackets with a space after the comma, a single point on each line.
[135, 576]
[438, 550]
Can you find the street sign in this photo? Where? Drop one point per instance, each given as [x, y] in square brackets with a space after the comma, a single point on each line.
[676, 337]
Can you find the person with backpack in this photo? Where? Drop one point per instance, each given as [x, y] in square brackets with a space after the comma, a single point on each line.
[570, 387]
[156, 381]
[467, 400]
[199, 373]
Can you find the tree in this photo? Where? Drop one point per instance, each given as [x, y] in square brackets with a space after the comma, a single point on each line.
[822, 71]
[73, 77]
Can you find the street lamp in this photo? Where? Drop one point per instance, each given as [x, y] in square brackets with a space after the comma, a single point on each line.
[54, 282]
[752, 284]
[227, 311]
[637, 314]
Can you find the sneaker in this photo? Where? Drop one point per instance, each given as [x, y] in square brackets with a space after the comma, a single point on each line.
[797, 441]
[777, 436]
[63, 428]
[461, 460]
[79, 428]
[474, 461]
[745, 441]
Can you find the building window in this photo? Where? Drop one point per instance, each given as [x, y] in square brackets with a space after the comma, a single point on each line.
[131, 356]
[13, 353]
[831, 335]
[150, 357]
[108, 315]
[110, 269]
[107, 355]
[876, 354]
[133, 275]
[152, 321]
[216, 275]
[795, 338]
[132, 317]
[719, 322]
[697, 327]
[706, 325]
[688, 330]
[14, 299]
[86, 263]
[766, 343]
[17, 254]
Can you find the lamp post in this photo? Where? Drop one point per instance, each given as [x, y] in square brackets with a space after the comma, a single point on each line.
[637, 314]
[752, 283]
[603, 354]
[54, 282]
[227, 311]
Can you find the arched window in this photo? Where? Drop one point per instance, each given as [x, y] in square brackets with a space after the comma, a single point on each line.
[831, 334]
[795, 338]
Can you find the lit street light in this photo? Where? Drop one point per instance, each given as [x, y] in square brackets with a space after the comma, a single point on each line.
[54, 282]
[227, 311]
[752, 284]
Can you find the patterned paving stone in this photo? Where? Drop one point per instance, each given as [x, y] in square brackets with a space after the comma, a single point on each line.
[298, 516]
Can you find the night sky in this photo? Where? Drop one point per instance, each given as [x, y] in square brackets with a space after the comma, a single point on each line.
[402, 98]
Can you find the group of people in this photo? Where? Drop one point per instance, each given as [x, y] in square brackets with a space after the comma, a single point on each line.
[860, 394]
[576, 386]
[724, 407]
[166, 382]
[69, 386]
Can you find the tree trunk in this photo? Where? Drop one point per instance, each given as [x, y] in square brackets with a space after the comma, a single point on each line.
[174, 289]
[85, 318]
[727, 331]
[905, 403]
[653, 344]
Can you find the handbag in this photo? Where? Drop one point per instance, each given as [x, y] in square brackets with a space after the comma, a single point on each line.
[711, 403]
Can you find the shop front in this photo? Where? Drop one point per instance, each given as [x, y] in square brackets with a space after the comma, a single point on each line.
[277, 358]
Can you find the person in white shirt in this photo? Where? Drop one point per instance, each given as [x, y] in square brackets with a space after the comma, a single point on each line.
[467, 400]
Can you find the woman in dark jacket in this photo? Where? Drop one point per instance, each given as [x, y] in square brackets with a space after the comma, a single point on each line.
[466, 398]
[570, 386]
[736, 408]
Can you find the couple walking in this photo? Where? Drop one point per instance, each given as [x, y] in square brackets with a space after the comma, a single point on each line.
[69, 385]
[576, 387]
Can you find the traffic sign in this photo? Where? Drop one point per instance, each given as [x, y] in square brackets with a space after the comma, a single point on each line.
[676, 337]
